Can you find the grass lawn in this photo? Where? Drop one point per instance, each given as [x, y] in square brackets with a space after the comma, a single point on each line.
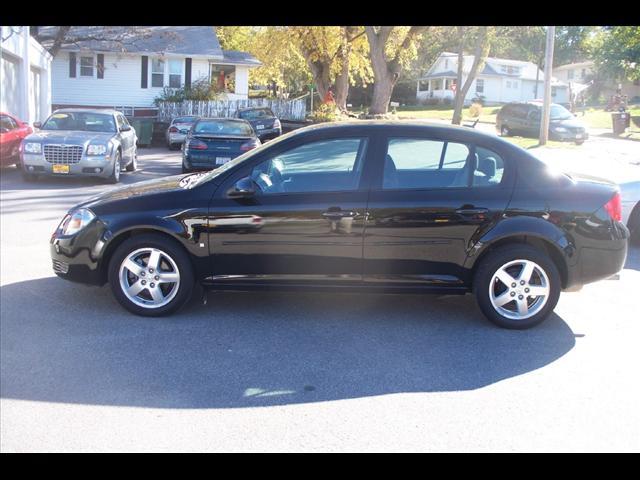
[529, 143]
[598, 118]
[488, 114]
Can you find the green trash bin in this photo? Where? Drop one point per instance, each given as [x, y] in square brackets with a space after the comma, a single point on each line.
[144, 129]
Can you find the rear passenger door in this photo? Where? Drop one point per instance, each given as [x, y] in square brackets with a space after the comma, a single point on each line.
[429, 203]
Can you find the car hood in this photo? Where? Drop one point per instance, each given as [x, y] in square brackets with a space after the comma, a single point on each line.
[568, 123]
[141, 189]
[69, 137]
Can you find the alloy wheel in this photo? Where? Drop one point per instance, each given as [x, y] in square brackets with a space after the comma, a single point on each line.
[519, 289]
[149, 277]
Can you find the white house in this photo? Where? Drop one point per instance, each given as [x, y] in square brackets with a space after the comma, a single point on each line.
[25, 75]
[500, 81]
[583, 72]
[130, 69]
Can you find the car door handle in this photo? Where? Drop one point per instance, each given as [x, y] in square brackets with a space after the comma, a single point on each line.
[472, 211]
[337, 214]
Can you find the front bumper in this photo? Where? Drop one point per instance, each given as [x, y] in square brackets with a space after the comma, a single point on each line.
[86, 167]
[569, 136]
[78, 257]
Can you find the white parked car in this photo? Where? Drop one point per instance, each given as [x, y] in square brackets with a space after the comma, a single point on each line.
[178, 130]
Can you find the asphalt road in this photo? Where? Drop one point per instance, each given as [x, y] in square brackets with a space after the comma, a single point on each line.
[298, 372]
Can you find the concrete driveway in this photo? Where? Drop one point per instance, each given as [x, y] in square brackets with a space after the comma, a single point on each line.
[297, 372]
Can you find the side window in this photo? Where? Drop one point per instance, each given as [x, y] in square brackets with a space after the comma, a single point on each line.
[489, 170]
[322, 166]
[7, 122]
[415, 163]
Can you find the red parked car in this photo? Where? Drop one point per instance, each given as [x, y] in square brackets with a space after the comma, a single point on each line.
[12, 131]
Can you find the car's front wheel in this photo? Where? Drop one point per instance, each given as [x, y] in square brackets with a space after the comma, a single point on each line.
[517, 286]
[133, 166]
[115, 175]
[504, 131]
[151, 275]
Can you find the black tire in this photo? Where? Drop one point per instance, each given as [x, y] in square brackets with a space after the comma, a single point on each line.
[634, 225]
[501, 256]
[185, 169]
[173, 249]
[505, 131]
[133, 165]
[115, 175]
[579, 142]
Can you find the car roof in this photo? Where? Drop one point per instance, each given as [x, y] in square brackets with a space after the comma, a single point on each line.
[87, 110]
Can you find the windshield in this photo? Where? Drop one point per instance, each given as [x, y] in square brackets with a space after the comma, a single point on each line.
[558, 112]
[84, 121]
[257, 114]
[223, 127]
[185, 120]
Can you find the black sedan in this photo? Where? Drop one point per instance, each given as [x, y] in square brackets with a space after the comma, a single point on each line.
[263, 120]
[212, 142]
[368, 206]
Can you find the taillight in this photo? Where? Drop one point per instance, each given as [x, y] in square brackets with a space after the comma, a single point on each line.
[197, 145]
[614, 207]
[250, 145]
[173, 130]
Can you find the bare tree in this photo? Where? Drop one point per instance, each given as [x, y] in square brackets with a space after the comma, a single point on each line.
[483, 46]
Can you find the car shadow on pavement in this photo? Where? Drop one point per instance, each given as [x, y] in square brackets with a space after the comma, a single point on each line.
[69, 343]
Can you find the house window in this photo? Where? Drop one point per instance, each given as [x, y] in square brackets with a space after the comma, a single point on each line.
[553, 91]
[423, 85]
[508, 83]
[480, 85]
[175, 73]
[86, 66]
[514, 84]
[157, 72]
[448, 82]
[569, 74]
[437, 84]
[223, 77]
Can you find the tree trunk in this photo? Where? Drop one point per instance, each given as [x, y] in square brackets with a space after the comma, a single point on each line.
[482, 52]
[342, 85]
[458, 101]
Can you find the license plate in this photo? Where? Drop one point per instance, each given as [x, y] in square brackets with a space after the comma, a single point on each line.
[260, 127]
[60, 168]
[222, 160]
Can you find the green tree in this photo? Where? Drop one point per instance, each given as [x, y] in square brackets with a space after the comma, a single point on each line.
[616, 52]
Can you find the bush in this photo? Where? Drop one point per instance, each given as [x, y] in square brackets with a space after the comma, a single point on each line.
[199, 90]
[326, 112]
[475, 110]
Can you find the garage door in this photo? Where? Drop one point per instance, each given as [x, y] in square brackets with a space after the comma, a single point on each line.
[9, 70]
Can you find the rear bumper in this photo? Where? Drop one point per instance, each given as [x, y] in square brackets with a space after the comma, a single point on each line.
[598, 262]
[205, 160]
[269, 133]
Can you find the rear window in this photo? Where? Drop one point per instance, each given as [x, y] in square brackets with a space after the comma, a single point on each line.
[256, 114]
[223, 127]
[185, 119]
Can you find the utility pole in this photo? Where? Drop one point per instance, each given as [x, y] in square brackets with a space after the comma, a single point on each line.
[548, 67]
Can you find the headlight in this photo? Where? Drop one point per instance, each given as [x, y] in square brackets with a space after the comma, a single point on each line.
[96, 150]
[31, 147]
[560, 129]
[77, 221]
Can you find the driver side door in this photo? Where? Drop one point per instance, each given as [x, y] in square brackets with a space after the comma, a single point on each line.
[305, 223]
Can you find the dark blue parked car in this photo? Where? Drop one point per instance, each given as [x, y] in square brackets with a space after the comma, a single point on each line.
[212, 142]
[263, 121]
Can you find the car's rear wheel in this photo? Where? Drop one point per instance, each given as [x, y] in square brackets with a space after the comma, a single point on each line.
[151, 275]
[505, 131]
[517, 286]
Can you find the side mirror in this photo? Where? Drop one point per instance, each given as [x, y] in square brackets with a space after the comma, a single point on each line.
[243, 188]
[37, 124]
[125, 128]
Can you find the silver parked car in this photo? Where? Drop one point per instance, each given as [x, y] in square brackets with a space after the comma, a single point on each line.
[178, 130]
[80, 142]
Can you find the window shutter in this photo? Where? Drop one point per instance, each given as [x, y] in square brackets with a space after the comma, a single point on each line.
[100, 65]
[72, 64]
[187, 73]
[145, 71]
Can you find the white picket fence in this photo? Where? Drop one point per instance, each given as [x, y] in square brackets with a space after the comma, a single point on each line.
[284, 109]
